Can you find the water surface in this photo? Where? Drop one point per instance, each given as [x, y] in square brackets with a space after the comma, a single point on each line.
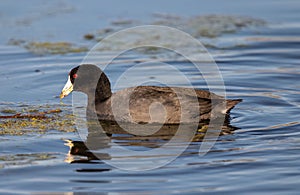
[259, 64]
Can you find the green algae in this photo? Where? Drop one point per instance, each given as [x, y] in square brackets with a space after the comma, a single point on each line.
[8, 111]
[207, 28]
[43, 48]
[33, 125]
[201, 27]
[53, 48]
[213, 26]
[33, 156]
[23, 159]
[36, 119]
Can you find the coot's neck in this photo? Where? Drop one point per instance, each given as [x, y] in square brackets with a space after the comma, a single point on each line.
[92, 81]
[101, 92]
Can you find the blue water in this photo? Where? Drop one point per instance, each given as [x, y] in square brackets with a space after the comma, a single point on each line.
[259, 64]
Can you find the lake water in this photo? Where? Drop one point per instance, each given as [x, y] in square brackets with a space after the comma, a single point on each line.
[258, 60]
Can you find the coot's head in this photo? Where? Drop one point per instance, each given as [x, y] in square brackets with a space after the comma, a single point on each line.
[89, 79]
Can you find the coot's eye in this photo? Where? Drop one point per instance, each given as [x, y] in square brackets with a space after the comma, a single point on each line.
[73, 74]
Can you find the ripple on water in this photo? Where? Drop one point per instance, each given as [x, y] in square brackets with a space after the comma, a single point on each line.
[259, 65]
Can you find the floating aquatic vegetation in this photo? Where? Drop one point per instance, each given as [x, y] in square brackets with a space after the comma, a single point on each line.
[18, 157]
[209, 26]
[89, 36]
[8, 111]
[205, 28]
[42, 48]
[24, 159]
[53, 48]
[201, 27]
[32, 119]
[123, 22]
[212, 26]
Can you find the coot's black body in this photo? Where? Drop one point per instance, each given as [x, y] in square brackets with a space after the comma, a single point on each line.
[145, 104]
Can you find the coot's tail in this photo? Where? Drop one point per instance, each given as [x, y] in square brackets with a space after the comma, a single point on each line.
[231, 103]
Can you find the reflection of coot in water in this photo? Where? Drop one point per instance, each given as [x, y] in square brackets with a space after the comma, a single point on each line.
[144, 104]
[97, 144]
